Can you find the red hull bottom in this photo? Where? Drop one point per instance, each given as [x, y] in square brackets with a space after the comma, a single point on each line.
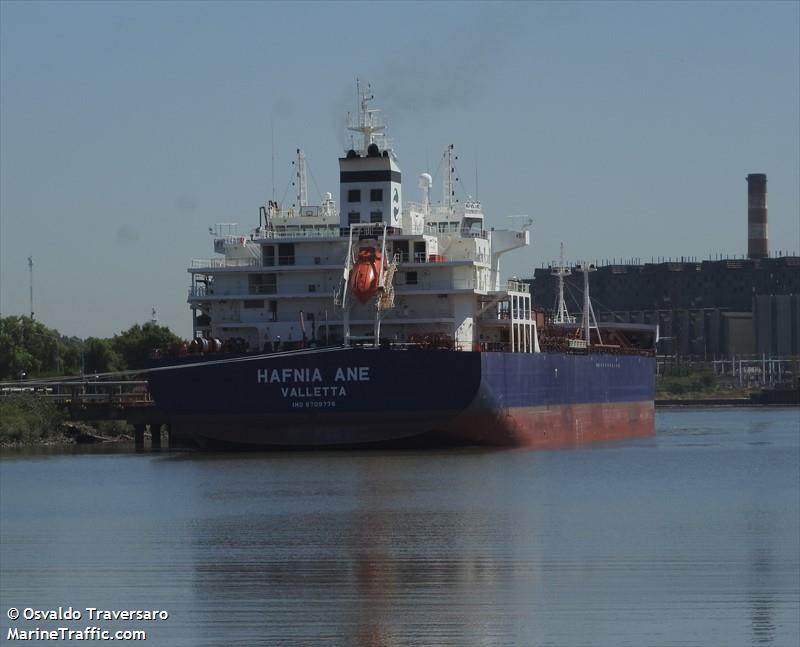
[534, 427]
[548, 427]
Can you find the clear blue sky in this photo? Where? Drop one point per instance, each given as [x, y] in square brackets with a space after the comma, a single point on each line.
[624, 129]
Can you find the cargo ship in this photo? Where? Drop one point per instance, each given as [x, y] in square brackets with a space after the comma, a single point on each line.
[386, 322]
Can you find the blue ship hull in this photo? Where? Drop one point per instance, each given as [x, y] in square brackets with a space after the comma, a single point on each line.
[337, 397]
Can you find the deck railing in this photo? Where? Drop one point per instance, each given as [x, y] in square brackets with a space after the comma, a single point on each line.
[219, 263]
[76, 391]
[517, 286]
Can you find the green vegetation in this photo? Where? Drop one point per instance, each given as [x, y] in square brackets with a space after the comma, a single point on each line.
[687, 381]
[135, 344]
[30, 348]
[99, 356]
[26, 419]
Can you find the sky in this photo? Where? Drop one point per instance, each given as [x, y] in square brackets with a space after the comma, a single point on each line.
[623, 129]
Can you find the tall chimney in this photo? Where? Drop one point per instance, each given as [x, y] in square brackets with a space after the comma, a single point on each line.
[757, 216]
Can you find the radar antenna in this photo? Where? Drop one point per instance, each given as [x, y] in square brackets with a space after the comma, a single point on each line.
[369, 121]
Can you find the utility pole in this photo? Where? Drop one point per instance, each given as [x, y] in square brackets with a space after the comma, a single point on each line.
[30, 281]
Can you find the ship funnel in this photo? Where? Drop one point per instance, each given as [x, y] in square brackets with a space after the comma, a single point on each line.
[425, 183]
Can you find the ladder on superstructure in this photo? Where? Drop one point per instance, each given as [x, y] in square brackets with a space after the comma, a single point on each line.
[386, 285]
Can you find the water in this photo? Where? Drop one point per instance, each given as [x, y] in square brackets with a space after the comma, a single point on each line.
[688, 538]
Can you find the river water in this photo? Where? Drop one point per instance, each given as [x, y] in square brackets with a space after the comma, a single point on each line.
[691, 537]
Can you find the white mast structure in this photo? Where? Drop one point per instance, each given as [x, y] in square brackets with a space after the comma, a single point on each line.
[561, 314]
[588, 312]
[447, 179]
[302, 184]
[369, 122]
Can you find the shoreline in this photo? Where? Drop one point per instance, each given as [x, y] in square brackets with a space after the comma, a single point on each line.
[720, 402]
[777, 397]
[68, 435]
[74, 435]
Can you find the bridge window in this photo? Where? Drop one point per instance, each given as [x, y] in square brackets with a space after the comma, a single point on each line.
[401, 248]
[419, 251]
[286, 254]
[261, 284]
[353, 218]
[376, 195]
[376, 216]
[354, 195]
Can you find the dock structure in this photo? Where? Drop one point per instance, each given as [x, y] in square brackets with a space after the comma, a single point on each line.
[86, 399]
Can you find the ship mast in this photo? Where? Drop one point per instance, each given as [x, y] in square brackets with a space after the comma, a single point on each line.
[588, 311]
[302, 184]
[368, 122]
[561, 315]
[447, 179]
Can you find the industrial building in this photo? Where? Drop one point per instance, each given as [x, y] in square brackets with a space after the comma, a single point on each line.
[705, 309]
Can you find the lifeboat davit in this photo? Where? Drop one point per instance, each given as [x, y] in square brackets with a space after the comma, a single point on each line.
[365, 273]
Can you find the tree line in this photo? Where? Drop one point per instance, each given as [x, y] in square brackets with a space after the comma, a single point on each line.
[29, 349]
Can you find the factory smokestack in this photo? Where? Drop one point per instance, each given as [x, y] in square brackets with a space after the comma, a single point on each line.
[757, 216]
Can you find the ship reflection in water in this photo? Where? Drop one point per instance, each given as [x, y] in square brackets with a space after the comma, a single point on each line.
[762, 604]
[365, 551]
[689, 537]
[635, 542]
[369, 595]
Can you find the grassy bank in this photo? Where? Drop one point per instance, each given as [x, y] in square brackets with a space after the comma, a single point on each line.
[27, 420]
[690, 383]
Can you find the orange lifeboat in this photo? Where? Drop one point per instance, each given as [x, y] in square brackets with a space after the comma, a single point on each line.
[365, 273]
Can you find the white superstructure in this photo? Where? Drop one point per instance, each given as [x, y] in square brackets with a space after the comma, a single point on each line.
[285, 283]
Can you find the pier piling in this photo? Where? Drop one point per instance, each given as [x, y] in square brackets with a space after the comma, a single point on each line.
[138, 435]
[155, 436]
